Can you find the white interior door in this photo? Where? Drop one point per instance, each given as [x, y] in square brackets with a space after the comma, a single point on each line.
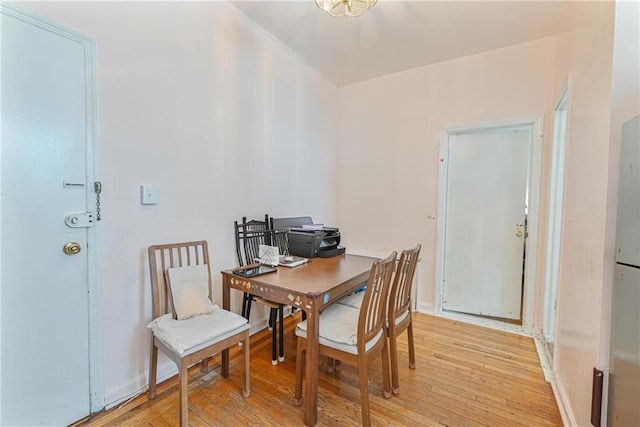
[485, 221]
[44, 172]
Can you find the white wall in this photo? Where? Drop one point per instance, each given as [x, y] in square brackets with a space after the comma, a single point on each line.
[584, 56]
[197, 100]
[389, 142]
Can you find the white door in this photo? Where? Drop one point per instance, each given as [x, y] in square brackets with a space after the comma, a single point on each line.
[485, 221]
[45, 176]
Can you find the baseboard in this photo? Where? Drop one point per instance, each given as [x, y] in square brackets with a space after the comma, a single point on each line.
[560, 395]
[564, 406]
[424, 308]
[115, 396]
[545, 357]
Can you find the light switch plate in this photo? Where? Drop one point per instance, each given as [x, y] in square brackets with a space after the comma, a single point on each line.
[148, 195]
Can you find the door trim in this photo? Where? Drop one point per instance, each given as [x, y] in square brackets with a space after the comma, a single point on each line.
[96, 347]
[534, 178]
[555, 216]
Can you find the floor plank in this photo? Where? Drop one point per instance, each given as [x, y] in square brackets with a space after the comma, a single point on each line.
[465, 375]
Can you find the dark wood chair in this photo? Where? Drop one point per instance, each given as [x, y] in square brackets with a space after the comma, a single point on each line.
[240, 231]
[196, 338]
[399, 311]
[355, 336]
[249, 236]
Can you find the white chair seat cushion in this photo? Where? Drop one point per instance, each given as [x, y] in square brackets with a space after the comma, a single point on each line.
[186, 336]
[339, 329]
[400, 318]
[352, 300]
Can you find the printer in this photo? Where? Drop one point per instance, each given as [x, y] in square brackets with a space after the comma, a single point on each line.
[307, 240]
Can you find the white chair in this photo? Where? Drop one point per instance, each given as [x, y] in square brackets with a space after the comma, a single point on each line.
[186, 325]
[355, 336]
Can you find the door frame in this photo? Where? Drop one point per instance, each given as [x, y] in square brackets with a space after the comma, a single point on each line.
[94, 298]
[555, 216]
[531, 243]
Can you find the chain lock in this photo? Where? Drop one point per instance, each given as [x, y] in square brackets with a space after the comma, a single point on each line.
[98, 189]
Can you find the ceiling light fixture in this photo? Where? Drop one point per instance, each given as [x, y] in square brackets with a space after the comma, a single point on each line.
[340, 8]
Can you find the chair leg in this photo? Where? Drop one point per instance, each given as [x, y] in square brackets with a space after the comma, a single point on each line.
[245, 297]
[248, 309]
[153, 370]
[364, 393]
[412, 351]
[272, 315]
[246, 392]
[204, 365]
[183, 392]
[274, 336]
[393, 349]
[299, 364]
[281, 335]
[330, 364]
[386, 381]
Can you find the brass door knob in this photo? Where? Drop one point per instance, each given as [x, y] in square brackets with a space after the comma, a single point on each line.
[71, 248]
[519, 233]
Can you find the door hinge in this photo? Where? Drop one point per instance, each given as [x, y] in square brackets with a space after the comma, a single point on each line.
[79, 220]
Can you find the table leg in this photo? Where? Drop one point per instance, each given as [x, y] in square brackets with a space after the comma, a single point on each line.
[226, 304]
[311, 367]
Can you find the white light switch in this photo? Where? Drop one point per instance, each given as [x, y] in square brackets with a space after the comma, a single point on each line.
[148, 195]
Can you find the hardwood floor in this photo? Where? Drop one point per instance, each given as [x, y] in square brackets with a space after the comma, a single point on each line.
[465, 375]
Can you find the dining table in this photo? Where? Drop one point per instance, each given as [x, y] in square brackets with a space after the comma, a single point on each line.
[311, 287]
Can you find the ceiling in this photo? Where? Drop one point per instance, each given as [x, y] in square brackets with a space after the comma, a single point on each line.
[398, 35]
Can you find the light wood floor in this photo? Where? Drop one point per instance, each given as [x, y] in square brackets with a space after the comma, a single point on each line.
[465, 376]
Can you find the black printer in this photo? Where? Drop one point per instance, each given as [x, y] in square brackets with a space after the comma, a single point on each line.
[307, 240]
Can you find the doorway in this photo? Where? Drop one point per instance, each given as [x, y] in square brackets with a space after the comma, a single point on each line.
[488, 217]
[554, 221]
[51, 371]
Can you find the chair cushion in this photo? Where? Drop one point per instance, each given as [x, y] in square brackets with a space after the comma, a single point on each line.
[338, 329]
[190, 290]
[352, 300]
[197, 332]
[400, 318]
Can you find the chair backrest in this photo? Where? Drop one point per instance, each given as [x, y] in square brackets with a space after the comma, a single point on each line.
[163, 257]
[400, 294]
[373, 309]
[248, 235]
[280, 238]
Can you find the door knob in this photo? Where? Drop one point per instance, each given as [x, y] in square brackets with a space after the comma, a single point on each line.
[519, 233]
[71, 248]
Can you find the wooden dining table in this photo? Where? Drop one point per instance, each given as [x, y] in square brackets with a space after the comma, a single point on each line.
[311, 287]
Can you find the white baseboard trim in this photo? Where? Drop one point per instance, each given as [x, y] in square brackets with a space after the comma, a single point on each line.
[562, 400]
[545, 358]
[121, 393]
[564, 406]
[425, 308]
